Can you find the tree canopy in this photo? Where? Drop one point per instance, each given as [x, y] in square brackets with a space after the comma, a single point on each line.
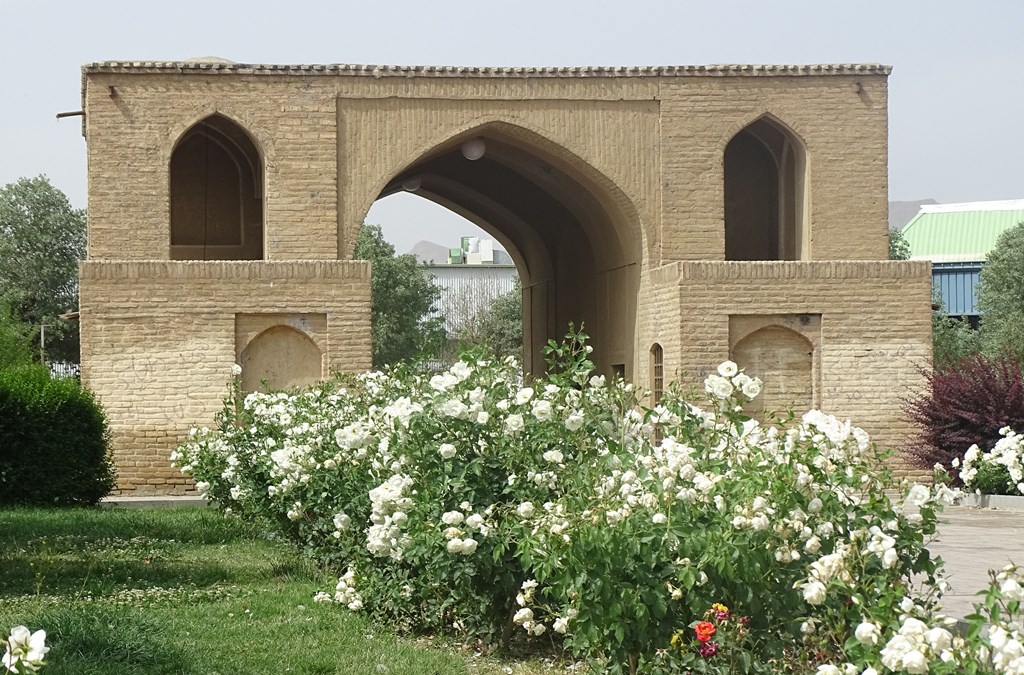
[1001, 295]
[42, 238]
[15, 339]
[899, 247]
[404, 324]
[498, 327]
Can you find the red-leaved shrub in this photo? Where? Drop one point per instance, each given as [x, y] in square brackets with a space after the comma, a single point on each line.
[964, 405]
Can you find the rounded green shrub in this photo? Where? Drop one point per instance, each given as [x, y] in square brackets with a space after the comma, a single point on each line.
[54, 441]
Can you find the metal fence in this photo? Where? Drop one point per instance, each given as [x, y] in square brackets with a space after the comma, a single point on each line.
[466, 290]
[64, 370]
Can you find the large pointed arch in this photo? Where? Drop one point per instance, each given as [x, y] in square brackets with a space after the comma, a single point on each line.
[765, 192]
[574, 235]
[215, 191]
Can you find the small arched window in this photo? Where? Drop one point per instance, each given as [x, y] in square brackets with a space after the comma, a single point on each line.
[657, 374]
[216, 194]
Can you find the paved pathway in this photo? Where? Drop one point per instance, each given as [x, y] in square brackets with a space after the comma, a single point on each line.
[971, 542]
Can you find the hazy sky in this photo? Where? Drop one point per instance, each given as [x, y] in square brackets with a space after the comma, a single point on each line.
[956, 93]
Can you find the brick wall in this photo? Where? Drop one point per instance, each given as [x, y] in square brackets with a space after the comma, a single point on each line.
[159, 340]
[331, 142]
[875, 328]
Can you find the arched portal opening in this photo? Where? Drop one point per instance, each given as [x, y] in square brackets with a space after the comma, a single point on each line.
[216, 193]
[574, 242]
[764, 170]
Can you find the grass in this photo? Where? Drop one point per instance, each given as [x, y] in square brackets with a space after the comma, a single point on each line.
[189, 591]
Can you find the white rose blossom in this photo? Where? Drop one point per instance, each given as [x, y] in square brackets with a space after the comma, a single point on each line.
[867, 633]
[514, 423]
[25, 650]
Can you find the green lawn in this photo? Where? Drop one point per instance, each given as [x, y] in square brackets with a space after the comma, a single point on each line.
[126, 591]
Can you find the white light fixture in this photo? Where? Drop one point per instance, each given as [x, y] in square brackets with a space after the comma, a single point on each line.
[412, 184]
[474, 149]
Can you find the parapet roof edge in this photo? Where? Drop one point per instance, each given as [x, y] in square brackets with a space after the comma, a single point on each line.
[960, 207]
[724, 70]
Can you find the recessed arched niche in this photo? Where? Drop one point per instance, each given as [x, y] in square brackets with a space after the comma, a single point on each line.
[281, 357]
[784, 351]
[216, 193]
[765, 174]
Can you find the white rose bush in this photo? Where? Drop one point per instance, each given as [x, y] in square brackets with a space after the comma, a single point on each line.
[998, 471]
[656, 540]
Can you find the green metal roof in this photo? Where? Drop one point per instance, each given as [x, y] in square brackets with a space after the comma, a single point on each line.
[960, 232]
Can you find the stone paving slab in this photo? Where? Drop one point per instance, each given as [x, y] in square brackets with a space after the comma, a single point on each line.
[154, 501]
[972, 541]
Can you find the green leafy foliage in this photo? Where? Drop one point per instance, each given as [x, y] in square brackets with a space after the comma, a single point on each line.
[1001, 300]
[1001, 296]
[953, 341]
[41, 241]
[998, 470]
[993, 479]
[899, 247]
[501, 326]
[498, 328]
[15, 339]
[53, 441]
[403, 302]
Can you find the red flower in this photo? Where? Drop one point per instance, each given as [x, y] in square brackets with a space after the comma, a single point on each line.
[704, 630]
[708, 649]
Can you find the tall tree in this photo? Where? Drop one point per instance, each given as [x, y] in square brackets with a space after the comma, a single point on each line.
[498, 327]
[15, 339]
[41, 241]
[477, 318]
[404, 323]
[899, 247]
[1001, 295]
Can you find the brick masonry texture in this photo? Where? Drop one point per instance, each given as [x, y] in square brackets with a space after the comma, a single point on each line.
[159, 340]
[158, 337]
[875, 327]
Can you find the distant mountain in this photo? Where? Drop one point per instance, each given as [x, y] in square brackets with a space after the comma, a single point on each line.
[901, 213]
[430, 253]
[434, 254]
[501, 257]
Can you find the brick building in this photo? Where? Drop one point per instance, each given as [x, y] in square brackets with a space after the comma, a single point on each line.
[686, 214]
